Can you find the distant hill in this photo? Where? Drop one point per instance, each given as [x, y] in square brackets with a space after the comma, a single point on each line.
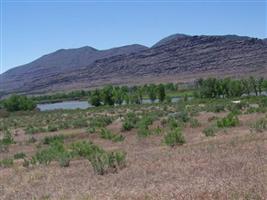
[179, 58]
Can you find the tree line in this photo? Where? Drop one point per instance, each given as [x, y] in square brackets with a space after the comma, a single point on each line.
[228, 88]
[110, 95]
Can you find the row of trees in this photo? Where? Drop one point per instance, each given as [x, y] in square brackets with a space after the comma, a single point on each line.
[82, 94]
[227, 88]
[110, 95]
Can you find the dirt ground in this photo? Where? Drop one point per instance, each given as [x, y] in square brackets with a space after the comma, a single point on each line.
[230, 165]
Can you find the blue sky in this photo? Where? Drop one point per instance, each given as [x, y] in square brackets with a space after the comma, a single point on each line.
[30, 29]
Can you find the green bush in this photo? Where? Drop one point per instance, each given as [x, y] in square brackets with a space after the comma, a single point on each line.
[91, 130]
[8, 162]
[17, 103]
[64, 159]
[100, 121]
[19, 155]
[79, 123]
[194, 123]
[26, 163]
[45, 156]
[230, 120]
[260, 125]
[183, 116]
[108, 162]
[85, 149]
[127, 125]
[100, 162]
[174, 137]
[107, 134]
[54, 138]
[143, 132]
[216, 108]
[52, 128]
[7, 139]
[210, 131]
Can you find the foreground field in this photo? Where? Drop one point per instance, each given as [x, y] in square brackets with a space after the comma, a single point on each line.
[218, 156]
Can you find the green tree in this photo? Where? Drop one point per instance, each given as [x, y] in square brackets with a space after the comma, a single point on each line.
[152, 92]
[118, 95]
[95, 98]
[253, 84]
[260, 85]
[161, 92]
[107, 95]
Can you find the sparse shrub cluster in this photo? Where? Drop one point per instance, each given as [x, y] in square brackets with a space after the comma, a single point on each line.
[260, 125]
[107, 134]
[7, 139]
[52, 139]
[130, 121]
[210, 131]
[230, 120]
[174, 137]
[8, 162]
[102, 161]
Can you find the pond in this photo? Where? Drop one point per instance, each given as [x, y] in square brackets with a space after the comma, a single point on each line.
[80, 104]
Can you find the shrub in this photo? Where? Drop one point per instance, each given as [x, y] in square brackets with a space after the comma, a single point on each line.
[236, 107]
[7, 139]
[54, 138]
[215, 108]
[3, 148]
[209, 131]
[52, 128]
[32, 129]
[26, 163]
[79, 123]
[174, 137]
[143, 132]
[8, 162]
[91, 130]
[183, 116]
[19, 155]
[3, 113]
[107, 162]
[127, 125]
[107, 134]
[64, 159]
[101, 121]
[100, 163]
[45, 156]
[85, 149]
[157, 131]
[194, 123]
[32, 140]
[260, 125]
[230, 120]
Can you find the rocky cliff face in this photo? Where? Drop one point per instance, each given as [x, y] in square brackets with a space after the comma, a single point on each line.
[175, 58]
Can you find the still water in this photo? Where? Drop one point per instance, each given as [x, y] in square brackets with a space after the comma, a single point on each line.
[80, 104]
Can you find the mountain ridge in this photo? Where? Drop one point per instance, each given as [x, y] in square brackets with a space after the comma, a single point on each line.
[178, 57]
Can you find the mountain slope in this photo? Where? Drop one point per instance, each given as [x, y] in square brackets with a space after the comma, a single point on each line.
[175, 58]
[57, 65]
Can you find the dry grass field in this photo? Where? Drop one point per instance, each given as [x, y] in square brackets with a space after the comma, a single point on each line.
[229, 163]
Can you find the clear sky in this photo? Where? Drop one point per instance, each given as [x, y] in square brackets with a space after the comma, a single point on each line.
[30, 29]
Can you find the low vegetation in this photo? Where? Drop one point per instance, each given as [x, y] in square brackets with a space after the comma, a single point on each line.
[124, 139]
